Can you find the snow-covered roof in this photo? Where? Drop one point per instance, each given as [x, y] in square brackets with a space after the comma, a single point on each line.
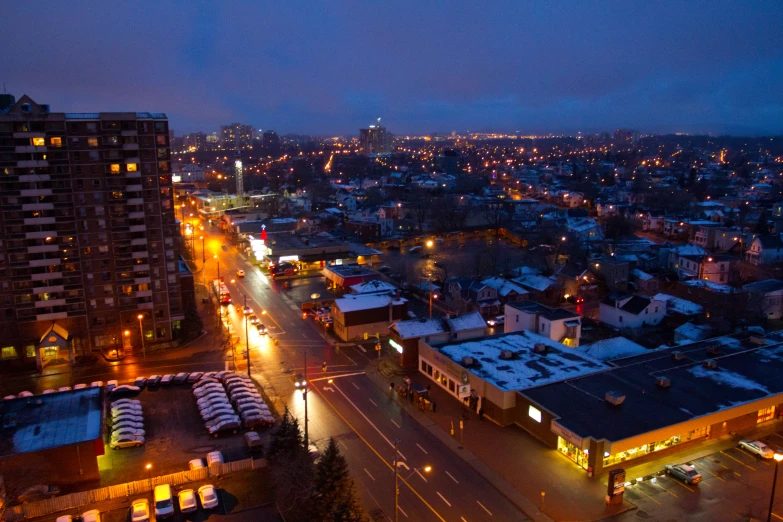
[689, 250]
[466, 322]
[642, 276]
[614, 348]
[419, 328]
[679, 305]
[536, 282]
[503, 286]
[373, 287]
[694, 332]
[364, 302]
[715, 287]
[525, 271]
[526, 369]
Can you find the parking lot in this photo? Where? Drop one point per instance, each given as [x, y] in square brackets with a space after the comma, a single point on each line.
[175, 434]
[736, 485]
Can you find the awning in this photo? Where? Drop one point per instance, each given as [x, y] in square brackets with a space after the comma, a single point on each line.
[56, 335]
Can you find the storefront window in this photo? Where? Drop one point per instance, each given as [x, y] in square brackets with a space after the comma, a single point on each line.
[651, 447]
[572, 452]
[766, 414]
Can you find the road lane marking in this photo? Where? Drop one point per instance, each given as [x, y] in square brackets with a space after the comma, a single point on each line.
[373, 478]
[403, 512]
[463, 519]
[394, 423]
[777, 516]
[372, 401]
[683, 485]
[422, 449]
[354, 385]
[362, 348]
[484, 508]
[723, 465]
[444, 499]
[737, 460]
[452, 478]
[419, 474]
[365, 418]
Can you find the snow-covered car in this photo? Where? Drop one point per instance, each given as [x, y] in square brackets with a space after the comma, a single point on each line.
[214, 457]
[126, 441]
[210, 388]
[140, 510]
[221, 419]
[25, 394]
[208, 496]
[233, 376]
[116, 433]
[64, 389]
[758, 448]
[209, 396]
[228, 425]
[187, 501]
[125, 389]
[204, 382]
[120, 402]
[195, 376]
[239, 384]
[140, 382]
[9, 397]
[207, 375]
[258, 405]
[92, 515]
[255, 401]
[220, 409]
[684, 472]
[127, 425]
[127, 417]
[210, 401]
[166, 379]
[153, 381]
[181, 377]
[79, 386]
[96, 384]
[48, 391]
[254, 421]
[221, 375]
[244, 394]
[126, 408]
[110, 385]
[196, 464]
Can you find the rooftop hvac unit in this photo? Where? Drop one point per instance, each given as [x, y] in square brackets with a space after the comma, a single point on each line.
[468, 361]
[663, 382]
[677, 355]
[711, 363]
[539, 348]
[713, 350]
[506, 354]
[614, 398]
[758, 339]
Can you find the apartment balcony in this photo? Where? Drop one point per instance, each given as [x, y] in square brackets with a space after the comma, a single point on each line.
[38, 206]
[135, 160]
[46, 276]
[136, 174]
[138, 228]
[132, 132]
[139, 241]
[130, 146]
[51, 317]
[43, 248]
[145, 306]
[140, 255]
[45, 262]
[22, 149]
[136, 201]
[34, 177]
[133, 188]
[142, 281]
[141, 268]
[41, 235]
[50, 302]
[144, 293]
[48, 289]
[31, 164]
[35, 192]
[40, 221]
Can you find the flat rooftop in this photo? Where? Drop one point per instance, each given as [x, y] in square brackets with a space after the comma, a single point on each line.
[526, 369]
[49, 421]
[745, 372]
[350, 270]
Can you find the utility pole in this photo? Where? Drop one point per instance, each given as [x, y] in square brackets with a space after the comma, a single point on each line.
[396, 486]
[306, 390]
[247, 338]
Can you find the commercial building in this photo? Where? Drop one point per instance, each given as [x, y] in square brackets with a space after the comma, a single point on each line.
[51, 439]
[346, 276]
[364, 316]
[88, 236]
[375, 140]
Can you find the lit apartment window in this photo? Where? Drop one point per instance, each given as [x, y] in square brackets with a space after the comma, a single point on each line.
[92, 142]
[38, 142]
[7, 352]
[56, 141]
[115, 168]
[132, 167]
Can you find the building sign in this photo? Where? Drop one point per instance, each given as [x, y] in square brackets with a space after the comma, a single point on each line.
[449, 365]
[534, 413]
[464, 391]
[566, 434]
[395, 345]
[615, 486]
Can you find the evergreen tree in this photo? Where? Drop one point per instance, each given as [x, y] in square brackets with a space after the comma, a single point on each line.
[286, 439]
[334, 489]
[292, 471]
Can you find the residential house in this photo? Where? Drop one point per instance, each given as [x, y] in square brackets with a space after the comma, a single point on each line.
[632, 311]
[765, 250]
[358, 316]
[542, 289]
[615, 272]
[690, 333]
[466, 294]
[653, 223]
[679, 309]
[571, 279]
[584, 229]
[558, 324]
[765, 298]
[466, 326]
[708, 267]
[507, 290]
[645, 283]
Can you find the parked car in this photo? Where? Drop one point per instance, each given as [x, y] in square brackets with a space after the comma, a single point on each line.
[196, 464]
[206, 390]
[231, 377]
[92, 515]
[244, 395]
[79, 386]
[384, 269]
[126, 441]
[221, 375]
[208, 496]
[181, 377]
[227, 425]
[253, 441]
[24, 394]
[96, 384]
[252, 405]
[240, 273]
[187, 501]
[497, 321]
[204, 382]
[153, 381]
[47, 391]
[210, 401]
[126, 408]
[64, 389]
[215, 413]
[210, 395]
[125, 389]
[208, 375]
[214, 457]
[9, 397]
[254, 401]
[258, 421]
[195, 376]
[166, 379]
[121, 402]
[110, 385]
[140, 382]
[164, 502]
[127, 417]
[758, 448]
[140, 510]
[283, 269]
[127, 424]
[119, 432]
[221, 419]
[246, 310]
[684, 472]
[239, 385]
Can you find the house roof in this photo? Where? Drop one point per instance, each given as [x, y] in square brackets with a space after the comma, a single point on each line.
[633, 305]
[373, 287]
[679, 305]
[694, 332]
[469, 321]
[419, 328]
[770, 241]
[535, 282]
[552, 314]
[365, 302]
[504, 287]
[640, 275]
[614, 348]
[764, 287]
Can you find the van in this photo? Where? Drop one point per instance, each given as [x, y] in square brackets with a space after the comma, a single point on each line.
[164, 502]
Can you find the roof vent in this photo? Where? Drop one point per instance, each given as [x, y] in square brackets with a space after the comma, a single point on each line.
[506, 354]
[539, 348]
[713, 350]
[711, 363]
[663, 382]
[468, 361]
[677, 355]
[614, 398]
[758, 339]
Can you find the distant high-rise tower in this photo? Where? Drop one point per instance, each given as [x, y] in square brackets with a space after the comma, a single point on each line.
[238, 172]
[375, 140]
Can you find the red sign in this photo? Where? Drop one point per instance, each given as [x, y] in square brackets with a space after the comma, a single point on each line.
[263, 234]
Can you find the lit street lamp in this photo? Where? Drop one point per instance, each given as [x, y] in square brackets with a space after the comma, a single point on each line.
[141, 332]
[778, 458]
[397, 465]
[149, 473]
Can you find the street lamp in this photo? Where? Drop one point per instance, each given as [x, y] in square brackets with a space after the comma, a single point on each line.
[149, 473]
[141, 332]
[778, 458]
[397, 464]
[247, 336]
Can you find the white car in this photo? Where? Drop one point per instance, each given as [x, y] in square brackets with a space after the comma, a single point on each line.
[211, 413]
[208, 375]
[127, 417]
[79, 386]
[214, 457]
[758, 448]
[221, 419]
[9, 397]
[140, 510]
[248, 400]
[231, 425]
[48, 391]
[196, 464]
[187, 501]
[231, 377]
[258, 405]
[64, 389]
[239, 385]
[120, 402]
[204, 382]
[110, 385]
[244, 395]
[210, 388]
[126, 441]
[211, 400]
[126, 408]
[240, 273]
[92, 515]
[96, 384]
[127, 425]
[24, 394]
[119, 432]
[166, 379]
[208, 496]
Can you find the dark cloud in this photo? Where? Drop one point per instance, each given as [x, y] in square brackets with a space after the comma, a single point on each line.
[331, 67]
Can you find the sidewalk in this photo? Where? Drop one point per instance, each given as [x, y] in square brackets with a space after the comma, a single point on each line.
[507, 456]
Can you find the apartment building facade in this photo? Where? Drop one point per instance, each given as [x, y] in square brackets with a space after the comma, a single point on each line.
[88, 253]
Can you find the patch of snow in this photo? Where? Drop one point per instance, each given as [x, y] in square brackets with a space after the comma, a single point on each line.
[676, 304]
[729, 378]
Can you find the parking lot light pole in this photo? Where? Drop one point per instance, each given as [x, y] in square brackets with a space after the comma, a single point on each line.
[778, 458]
[247, 336]
[304, 392]
[141, 332]
[149, 473]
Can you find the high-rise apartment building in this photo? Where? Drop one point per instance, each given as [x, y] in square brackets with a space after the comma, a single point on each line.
[88, 239]
[235, 133]
[270, 145]
[375, 140]
[195, 141]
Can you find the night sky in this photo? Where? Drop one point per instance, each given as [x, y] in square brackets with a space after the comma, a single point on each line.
[331, 67]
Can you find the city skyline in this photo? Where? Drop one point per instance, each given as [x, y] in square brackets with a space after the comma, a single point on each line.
[552, 69]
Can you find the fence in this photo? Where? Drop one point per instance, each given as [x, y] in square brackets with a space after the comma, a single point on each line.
[83, 498]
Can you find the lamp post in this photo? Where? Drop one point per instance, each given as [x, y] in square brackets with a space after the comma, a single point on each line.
[203, 266]
[778, 458]
[149, 473]
[247, 337]
[304, 393]
[141, 332]
[397, 465]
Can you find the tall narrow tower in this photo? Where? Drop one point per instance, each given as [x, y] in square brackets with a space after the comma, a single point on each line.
[238, 172]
